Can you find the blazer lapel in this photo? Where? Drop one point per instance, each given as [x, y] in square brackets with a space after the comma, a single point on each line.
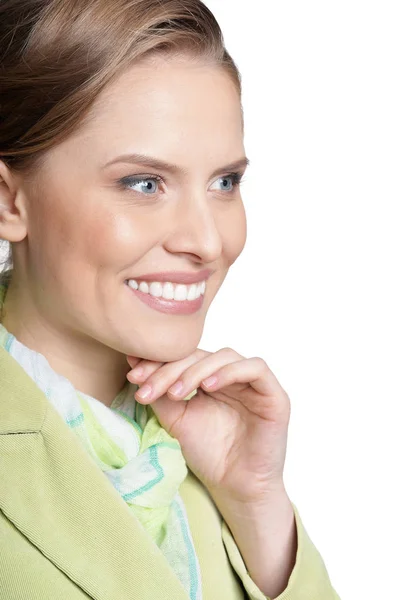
[55, 494]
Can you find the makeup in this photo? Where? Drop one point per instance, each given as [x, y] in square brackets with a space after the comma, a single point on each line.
[171, 307]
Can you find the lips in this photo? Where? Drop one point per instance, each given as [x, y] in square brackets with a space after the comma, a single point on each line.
[175, 276]
[177, 307]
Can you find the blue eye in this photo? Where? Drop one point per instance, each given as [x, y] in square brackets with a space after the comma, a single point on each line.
[145, 185]
[229, 182]
[149, 185]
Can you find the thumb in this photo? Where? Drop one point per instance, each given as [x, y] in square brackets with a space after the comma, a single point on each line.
[168, 412]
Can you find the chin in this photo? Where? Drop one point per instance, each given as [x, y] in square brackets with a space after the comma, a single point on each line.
[168, 353]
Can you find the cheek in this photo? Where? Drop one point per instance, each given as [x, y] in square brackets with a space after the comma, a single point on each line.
[234, 234]
[112, 239]
[86, 234]
[117, 238]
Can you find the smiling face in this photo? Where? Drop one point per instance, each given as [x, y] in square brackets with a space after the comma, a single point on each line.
[91, 227]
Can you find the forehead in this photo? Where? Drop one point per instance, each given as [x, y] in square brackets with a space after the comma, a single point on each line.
[168, 106]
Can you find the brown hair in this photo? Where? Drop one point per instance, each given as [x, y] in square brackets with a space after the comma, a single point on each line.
[57, 56]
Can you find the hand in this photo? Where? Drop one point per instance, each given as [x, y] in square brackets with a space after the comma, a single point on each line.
[233, 433]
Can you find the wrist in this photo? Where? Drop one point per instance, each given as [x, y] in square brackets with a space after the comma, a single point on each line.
[266, 536]
[275, 497]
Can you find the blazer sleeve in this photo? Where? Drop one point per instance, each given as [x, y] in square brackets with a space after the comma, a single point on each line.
[309, 579]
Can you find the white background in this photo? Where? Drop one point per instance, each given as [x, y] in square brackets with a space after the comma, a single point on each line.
[315, 291]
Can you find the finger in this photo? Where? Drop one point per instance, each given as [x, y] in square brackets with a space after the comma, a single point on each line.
[253, 371]
[133, 360]
[256, 373]
[166, 376]
[203, 369]
[143, 369]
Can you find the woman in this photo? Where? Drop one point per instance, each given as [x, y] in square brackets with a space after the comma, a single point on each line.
[121, 147]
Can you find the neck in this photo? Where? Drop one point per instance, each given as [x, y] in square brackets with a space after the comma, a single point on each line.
[91, 367]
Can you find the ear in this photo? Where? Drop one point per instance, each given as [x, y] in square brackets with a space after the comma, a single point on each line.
[13, 217]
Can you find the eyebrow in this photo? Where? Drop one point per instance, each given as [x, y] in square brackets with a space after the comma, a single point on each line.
[154, 163]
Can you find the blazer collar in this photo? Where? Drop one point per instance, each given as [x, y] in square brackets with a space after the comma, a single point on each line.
[56, 495]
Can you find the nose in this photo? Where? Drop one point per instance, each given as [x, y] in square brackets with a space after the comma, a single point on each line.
[195, 229]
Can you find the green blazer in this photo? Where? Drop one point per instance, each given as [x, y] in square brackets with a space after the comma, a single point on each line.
[66, 534]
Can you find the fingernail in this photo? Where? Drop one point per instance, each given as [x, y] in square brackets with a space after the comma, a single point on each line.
[210, 381]
[144, 392]
[176, 388]
[137, 372]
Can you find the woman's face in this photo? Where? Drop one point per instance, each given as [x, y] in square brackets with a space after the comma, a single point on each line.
[87, 232]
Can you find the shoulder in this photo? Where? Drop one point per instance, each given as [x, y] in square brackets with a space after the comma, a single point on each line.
[23, 405]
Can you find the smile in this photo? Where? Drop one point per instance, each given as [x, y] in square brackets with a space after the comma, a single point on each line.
[169, 290]
[169, 297]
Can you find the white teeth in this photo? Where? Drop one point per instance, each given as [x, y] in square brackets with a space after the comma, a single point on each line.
[156, 289]
[169, 290]
[180, 292]
[192, 292]
[143, 287]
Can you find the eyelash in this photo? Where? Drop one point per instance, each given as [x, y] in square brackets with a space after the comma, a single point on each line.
[237, 179]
